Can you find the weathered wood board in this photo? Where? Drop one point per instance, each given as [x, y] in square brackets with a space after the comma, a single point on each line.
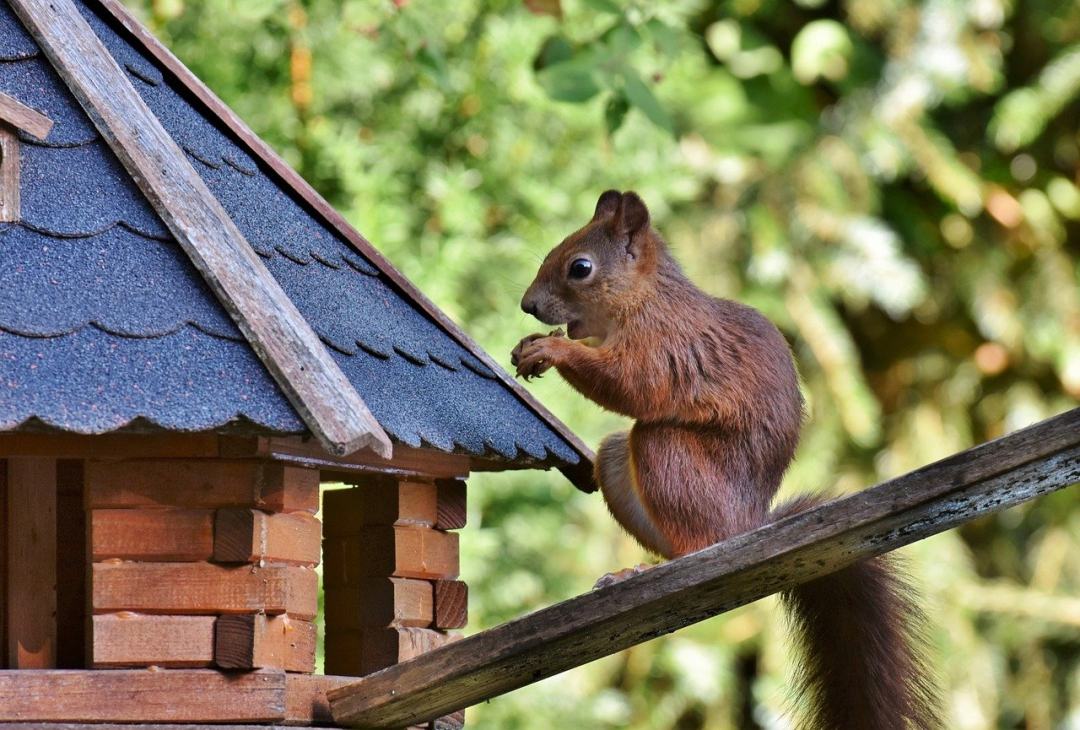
[204, 588]
[201, 483]
[182, 535]
[129, 639]
[141, 695]
[251, 536]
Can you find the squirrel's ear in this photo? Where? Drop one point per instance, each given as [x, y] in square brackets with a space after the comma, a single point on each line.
[632, 217]
[607, 204]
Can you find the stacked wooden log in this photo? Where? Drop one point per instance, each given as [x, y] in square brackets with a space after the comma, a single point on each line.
[391, 563]
[199, 563]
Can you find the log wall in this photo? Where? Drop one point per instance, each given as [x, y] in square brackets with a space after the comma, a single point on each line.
[202, 563]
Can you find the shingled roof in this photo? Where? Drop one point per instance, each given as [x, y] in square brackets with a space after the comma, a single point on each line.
[106, 325]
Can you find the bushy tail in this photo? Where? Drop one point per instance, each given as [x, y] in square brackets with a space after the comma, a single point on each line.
[860, 635]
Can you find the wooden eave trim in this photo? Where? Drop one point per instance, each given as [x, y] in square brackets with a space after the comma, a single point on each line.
[407, 461]
[295, 450]
[581, 474]
[24, 118]
[281, 337]
[987, 478]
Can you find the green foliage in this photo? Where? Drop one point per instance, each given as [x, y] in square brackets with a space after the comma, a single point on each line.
[895, 183]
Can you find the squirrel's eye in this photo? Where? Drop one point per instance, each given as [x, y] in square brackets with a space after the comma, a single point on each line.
[580, 268]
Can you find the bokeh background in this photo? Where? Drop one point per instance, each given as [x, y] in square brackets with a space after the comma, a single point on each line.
[895, 183]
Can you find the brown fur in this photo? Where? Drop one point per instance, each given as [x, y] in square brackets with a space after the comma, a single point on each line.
[713, 390]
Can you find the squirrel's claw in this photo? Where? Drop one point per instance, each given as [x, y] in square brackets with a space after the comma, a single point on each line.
[530, 356]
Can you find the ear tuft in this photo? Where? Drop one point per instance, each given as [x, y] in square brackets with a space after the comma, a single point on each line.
[632, 215]
[607, 204]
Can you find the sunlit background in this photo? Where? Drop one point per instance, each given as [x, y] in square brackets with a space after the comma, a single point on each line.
[895, 183]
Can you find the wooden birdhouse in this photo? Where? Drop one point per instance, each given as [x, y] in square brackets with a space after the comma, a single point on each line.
[191, 342]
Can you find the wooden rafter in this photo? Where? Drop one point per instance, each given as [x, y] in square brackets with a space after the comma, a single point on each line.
[580, 474]
[276, 330]
[22, 117]
[15, 117]
[990, 477]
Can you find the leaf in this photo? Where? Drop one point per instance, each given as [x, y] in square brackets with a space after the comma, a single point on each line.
[665, 37]
[433, 61]
[615, 112]
[545, 7]
[604, 6]
[569, 81]
[556, 49]
[621, 39]
[641, 97]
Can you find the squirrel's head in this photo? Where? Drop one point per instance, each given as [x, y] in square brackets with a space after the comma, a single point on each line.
[597, 272]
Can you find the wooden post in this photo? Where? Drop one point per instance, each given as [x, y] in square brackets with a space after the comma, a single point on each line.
[31, 572]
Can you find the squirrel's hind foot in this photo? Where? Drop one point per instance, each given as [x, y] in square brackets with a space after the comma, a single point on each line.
[610, 579]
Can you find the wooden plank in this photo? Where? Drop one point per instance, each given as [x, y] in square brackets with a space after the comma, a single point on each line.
[281, 337]
[184, 535]
[580, 474]
[201, 483]
[452, 508]
[129, 639]
[988, 478]
[407, 461]
[265, 642]
[363, 652]
[252, 536]
[380, 603]
[451, 604]
[10, 171]
[22, 117]
[31, 572]
[305, 698]
[378, 552]
[71, 566]
[142, 695]
[204, 588]
[125, 726]
[378, 501]
[111, 445]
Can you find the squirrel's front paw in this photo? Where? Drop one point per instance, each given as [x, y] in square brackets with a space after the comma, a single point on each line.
[534, 355]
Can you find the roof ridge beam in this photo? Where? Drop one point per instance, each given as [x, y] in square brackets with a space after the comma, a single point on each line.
[280, 336]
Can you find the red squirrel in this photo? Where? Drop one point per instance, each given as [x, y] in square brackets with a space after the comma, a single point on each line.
[712, 388]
